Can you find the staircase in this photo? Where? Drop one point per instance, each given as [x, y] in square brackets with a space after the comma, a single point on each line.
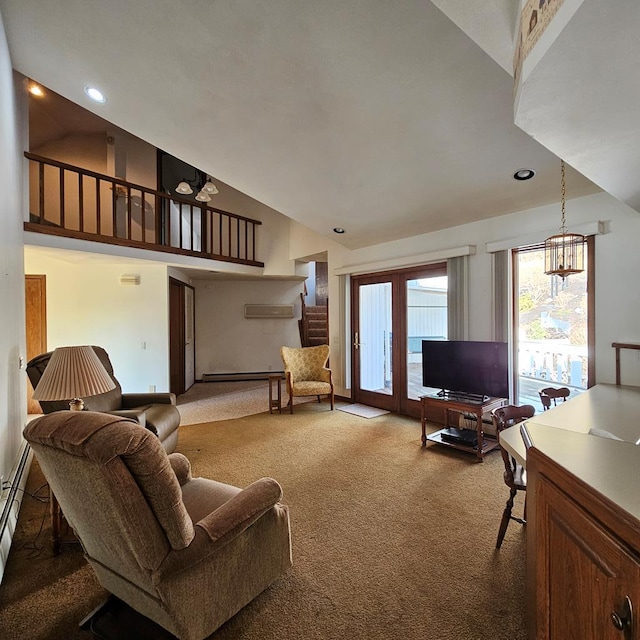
[314, 325]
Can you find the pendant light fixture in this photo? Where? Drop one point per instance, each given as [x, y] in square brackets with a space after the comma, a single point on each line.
[564, 252]
[204, 194]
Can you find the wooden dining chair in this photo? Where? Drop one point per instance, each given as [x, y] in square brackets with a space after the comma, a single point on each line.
[550, 395]
[514, 474]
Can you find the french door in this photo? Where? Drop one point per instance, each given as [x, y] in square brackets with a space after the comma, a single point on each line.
[392, 312]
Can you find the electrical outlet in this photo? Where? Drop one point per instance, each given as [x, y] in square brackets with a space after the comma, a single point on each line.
[152, 388]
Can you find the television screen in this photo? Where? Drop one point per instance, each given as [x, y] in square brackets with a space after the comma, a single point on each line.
[466, 366]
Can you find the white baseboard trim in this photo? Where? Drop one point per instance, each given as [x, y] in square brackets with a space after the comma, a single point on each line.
[10, 501]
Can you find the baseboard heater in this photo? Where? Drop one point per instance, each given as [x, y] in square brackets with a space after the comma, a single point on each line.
[10, 499]
[243, 375]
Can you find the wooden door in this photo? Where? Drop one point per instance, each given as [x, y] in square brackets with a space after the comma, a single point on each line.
[176, 337]
[36, 326]
[389, 320]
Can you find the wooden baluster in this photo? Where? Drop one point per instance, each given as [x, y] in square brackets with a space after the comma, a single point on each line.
[255, 228]
[98, 208]
[114, 195]
[62, 198]
[41, 186]
[129, 212]
[220, 236]
[80, 201]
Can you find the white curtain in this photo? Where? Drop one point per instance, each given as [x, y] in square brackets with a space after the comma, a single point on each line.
[500, 267]
[458, 298]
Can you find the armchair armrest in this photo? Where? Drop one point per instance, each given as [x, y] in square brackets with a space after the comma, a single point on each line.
[241, 511]
[229, 520]
[131, 400]
[181, 467]
[134, 414]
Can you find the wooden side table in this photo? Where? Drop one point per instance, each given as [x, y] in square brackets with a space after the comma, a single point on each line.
[275, 399]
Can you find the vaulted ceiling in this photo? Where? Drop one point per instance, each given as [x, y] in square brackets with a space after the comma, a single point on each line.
[389, 119]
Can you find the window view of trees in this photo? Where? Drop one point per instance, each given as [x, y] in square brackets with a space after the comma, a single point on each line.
[552, 323]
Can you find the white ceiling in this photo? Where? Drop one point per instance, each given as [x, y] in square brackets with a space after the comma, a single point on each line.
[381, 117]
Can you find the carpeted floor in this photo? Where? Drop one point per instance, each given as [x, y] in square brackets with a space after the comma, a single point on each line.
[227, 400]
[390, 540]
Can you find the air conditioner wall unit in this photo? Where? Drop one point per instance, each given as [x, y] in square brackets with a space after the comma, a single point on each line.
[268, 311]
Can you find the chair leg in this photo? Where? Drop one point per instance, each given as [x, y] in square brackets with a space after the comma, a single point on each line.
[319, 400]
[506, 516]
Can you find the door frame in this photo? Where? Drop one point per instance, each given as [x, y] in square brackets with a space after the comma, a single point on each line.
[177, 334]
[398, 401]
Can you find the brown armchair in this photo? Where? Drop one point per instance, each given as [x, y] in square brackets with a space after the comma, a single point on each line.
[154, 411]
[186, 552]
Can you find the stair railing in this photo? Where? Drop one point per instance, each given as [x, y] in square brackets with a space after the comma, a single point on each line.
[68, 201]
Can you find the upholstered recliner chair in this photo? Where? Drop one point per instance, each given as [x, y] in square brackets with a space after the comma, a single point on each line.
[306, 373]
[155, 411]
[186, 552]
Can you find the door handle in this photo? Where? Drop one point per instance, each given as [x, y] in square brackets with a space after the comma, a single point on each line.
[623, 621]
[357, 344]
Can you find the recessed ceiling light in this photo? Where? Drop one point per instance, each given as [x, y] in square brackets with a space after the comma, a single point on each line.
[338, 230]
[524, 174]
[95, 94]
[36, 90]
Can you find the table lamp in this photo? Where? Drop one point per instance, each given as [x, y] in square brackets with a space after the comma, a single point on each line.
[73, 373]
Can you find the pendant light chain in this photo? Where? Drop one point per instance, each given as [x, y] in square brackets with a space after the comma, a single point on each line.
[564, 253]
[563, 227]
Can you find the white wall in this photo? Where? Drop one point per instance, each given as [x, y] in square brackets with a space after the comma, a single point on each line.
[86, 304]
[227, 342]
[12, 332]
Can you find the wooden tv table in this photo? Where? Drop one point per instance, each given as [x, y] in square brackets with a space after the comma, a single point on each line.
[459, 404]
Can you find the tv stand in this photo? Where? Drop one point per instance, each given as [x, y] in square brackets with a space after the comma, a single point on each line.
[461, 405]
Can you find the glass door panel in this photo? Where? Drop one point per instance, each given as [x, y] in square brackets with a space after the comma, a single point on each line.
[391, 314]
[373, 343]
[426, 320]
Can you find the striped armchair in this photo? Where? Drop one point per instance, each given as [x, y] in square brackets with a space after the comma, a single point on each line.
[306, 373]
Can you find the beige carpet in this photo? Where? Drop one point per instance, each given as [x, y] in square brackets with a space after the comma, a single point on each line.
[209, 401]
[391, 541]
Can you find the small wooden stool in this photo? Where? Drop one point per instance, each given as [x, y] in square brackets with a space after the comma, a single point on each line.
[275, 402]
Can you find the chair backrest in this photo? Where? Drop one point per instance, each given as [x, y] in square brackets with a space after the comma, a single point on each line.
[305, 363]
[504, 417]
[116, 487]
[550, 395]
[109, 401]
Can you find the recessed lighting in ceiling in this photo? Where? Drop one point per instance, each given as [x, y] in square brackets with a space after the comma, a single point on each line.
[36, 90]
[95, 94]
[338, 230]
[524, 174]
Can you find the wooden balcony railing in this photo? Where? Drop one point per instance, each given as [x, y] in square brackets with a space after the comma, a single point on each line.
[76, 203]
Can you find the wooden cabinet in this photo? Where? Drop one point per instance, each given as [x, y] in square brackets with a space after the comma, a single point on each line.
[583, 557]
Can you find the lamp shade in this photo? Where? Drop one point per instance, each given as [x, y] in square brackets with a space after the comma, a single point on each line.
[203, 196]
[73, 372]
[209, 187]
[184, 187]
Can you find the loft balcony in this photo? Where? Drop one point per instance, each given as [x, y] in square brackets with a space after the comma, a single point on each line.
[68, 201]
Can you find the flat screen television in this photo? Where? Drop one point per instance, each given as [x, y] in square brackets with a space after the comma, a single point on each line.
[466, 367]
